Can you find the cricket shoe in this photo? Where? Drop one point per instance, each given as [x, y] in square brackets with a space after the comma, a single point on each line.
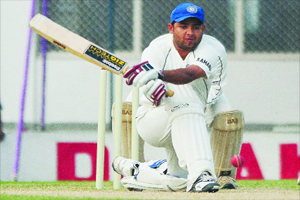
[205, 183]
[227, 182]
[125, 167]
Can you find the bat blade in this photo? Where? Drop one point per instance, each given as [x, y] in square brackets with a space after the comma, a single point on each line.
[79, 46]
[75, 44]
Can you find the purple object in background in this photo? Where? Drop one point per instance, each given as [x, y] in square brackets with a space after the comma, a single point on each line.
[44, 52]
[20, 125]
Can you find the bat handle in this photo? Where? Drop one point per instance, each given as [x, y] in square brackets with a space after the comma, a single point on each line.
[169, 92]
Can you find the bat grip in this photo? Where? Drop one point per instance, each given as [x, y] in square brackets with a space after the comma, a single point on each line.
[169, 92]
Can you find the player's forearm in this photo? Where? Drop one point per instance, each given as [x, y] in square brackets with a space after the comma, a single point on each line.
[183, 75]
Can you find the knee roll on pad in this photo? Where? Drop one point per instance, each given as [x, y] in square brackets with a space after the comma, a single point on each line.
[226, 140]
[229, 121]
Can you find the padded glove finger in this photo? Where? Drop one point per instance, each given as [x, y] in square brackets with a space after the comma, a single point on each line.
[155, 91]
[143, 78]
[131, 73]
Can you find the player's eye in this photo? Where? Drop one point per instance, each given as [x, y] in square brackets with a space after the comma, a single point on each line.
[183, 26]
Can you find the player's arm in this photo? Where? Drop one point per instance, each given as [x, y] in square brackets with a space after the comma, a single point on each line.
[153, 79]
[140, 76]
[183, 75]
[202, 67]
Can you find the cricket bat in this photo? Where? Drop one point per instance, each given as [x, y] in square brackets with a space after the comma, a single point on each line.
[79, 46]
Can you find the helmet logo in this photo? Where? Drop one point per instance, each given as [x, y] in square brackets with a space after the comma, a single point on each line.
[192, 9]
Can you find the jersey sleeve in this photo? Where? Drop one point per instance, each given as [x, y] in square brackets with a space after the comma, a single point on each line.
[157, 51]
[152, 55]
[219, 81]
[220, 78]
[207, 59]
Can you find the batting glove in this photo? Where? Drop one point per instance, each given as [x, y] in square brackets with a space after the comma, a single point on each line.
[155, 91]
[141, 74]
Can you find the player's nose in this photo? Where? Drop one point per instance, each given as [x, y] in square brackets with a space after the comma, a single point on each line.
[189, 30]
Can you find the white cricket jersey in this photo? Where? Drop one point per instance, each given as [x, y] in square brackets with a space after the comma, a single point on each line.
[162, 54]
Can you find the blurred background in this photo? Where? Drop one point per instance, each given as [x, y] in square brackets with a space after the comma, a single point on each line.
[48, 89]
[261, 38]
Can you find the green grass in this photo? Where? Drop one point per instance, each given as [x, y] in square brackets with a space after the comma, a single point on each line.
[25, 197]
[57, 185]
[108, 185]
[290, 185]
[269, 184]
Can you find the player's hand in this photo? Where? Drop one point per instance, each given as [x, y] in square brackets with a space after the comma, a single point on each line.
[155, 91]
[132, 72]
[141, 74]
[145, 76]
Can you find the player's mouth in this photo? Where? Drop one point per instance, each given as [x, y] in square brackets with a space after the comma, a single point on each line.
[190, 39]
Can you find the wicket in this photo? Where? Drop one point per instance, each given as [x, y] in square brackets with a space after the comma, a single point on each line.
[117, 127]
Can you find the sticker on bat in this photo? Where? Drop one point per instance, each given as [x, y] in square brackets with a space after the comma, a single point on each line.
[59, 44]
[105, 57]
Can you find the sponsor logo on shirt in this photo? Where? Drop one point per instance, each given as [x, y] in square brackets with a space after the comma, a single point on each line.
[179, 106]
[205, 62]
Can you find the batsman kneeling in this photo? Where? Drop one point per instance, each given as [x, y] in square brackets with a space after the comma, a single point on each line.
[193, 65]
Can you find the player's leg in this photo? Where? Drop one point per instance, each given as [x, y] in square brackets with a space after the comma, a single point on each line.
[191, 143]
[151, 175]
[173, 163]
[154, 128]
[226, 140]
[231, 140]
[152, 125]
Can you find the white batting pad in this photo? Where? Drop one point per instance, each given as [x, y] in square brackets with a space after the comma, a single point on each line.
[192, 146]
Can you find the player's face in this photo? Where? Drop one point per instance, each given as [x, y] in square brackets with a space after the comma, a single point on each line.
[187, 34]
